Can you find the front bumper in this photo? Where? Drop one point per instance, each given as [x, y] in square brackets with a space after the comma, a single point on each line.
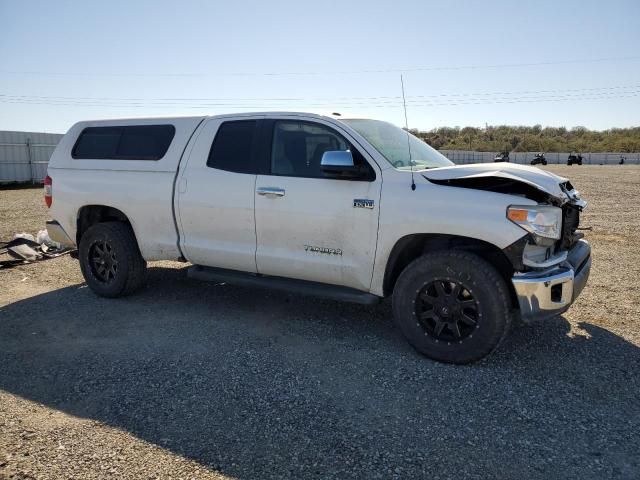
[545, 293]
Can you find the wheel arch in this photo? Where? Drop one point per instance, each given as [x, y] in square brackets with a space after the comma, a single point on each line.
[410, 247]
[90, 215]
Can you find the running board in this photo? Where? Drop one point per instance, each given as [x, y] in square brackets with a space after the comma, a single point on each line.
[243, 279]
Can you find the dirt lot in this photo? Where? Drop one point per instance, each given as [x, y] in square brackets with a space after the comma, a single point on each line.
[191, 380]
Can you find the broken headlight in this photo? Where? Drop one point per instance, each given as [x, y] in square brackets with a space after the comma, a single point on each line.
[542, 221]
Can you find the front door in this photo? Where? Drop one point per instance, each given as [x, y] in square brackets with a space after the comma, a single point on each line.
[309, 226]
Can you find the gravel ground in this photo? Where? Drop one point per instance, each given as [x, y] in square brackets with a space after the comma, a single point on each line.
[192, 380]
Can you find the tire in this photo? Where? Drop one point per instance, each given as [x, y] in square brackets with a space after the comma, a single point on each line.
[110, 260]
[482, 299]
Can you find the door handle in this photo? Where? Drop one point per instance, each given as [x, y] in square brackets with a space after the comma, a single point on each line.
[270, 191]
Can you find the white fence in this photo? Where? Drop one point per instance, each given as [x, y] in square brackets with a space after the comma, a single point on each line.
[611, 158]
[24, 156]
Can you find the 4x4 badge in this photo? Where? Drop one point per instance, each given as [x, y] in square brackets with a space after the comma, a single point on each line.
[363, 203]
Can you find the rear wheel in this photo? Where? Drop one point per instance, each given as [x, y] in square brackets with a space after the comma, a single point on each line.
[452, 306]
[110, 260]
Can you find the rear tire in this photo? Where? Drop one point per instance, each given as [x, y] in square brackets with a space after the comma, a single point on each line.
[453, 306]
[110, 260]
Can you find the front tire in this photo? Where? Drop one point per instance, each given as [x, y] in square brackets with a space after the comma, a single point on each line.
[110, 260]
[453, 306]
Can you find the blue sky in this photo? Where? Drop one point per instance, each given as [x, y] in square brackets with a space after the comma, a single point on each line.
[464, 62]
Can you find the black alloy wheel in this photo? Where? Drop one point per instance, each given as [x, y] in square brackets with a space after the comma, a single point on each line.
[110, 259]
[103, 261]
[447, 310]
[452, 306]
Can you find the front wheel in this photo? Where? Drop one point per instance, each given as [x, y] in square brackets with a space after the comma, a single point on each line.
[452, 306]
[110, 260]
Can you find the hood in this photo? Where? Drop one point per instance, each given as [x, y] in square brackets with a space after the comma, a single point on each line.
[498, 176]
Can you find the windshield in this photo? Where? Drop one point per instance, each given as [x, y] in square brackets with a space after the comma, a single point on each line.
[391, 142]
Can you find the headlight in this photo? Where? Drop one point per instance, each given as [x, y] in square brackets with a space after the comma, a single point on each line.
[541, 220]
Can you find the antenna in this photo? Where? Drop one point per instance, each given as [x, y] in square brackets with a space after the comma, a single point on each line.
[406, 125]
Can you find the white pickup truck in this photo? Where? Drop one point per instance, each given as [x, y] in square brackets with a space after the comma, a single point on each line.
[353, 209]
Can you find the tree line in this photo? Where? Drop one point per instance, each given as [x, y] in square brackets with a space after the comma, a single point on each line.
[532, 139]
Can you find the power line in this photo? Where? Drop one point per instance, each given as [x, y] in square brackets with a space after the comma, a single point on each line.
[494, 101]
[615, 87]
[406, 69]
[329, 101]
[262, 105]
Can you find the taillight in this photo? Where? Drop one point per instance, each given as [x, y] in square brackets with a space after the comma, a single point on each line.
[48, 191]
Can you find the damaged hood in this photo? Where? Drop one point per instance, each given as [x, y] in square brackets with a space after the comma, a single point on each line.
[541, 180]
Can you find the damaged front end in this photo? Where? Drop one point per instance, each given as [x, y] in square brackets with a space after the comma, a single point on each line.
[551, 261]
[543, 252]
[550, 291]
[554, 272]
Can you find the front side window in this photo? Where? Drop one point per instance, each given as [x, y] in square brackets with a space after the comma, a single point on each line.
[401, 149]
[297, 148]
[127, 142]
[233, 147]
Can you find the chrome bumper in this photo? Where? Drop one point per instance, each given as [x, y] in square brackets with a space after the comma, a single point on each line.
[57, 234]
[545, 293]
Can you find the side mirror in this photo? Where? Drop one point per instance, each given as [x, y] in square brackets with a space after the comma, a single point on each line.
[339, 164]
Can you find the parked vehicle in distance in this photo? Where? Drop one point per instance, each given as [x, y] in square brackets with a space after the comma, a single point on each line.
[574, 159]
[501, 157]
[352, 209]
[538, 159]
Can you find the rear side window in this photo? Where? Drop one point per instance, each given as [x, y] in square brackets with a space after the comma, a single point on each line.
[233, 147]
[133, 142]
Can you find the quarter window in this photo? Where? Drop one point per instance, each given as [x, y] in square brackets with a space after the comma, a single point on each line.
[233, 147]
[130, 142]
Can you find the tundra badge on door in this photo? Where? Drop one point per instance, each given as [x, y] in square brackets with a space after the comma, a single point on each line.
[329, 251]
[362, 203]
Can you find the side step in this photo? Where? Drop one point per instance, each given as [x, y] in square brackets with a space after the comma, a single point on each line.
[210, 274]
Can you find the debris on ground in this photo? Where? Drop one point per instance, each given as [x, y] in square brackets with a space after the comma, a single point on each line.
[25, 248]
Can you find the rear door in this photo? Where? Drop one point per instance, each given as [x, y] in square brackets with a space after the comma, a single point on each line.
[216, 195]
[309, 226]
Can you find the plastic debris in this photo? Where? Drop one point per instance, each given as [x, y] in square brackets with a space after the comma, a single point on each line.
[43, 239]
[25, 248]
[26, 236]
